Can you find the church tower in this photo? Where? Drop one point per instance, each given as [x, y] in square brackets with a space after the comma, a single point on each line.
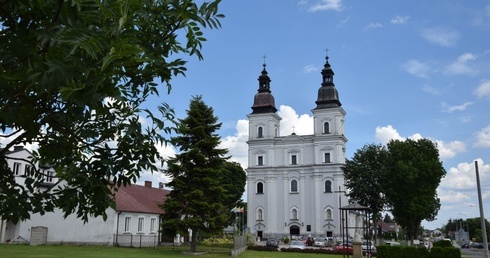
[295, 183]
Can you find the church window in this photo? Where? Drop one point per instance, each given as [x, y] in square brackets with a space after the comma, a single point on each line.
[327, 158]
[260, 160]
[276, 131]
[294, 160]
[294, 214]
[260, 132]
[326, 127]
[328, 214]
[308, 228]
[260, 188]
[259, 214]
[328, 186]
[294, 186]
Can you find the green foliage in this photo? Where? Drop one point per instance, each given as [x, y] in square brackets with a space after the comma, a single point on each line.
[442, 243]
[363, 174]
[199, 199]
[386, 251]
[437, 252]
[286, 240]
[413, 173]
[74, 76]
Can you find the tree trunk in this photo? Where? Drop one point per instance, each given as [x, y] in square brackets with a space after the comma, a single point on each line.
[194, 240]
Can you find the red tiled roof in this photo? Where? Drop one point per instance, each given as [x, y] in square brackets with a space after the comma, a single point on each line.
[138, 198]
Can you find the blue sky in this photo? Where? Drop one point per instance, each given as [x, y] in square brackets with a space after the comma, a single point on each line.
[403, 69]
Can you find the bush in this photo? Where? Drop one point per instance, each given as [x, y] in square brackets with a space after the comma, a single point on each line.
[286, 240]
[443, 243]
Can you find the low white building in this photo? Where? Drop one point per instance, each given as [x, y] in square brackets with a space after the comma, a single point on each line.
[137, 215]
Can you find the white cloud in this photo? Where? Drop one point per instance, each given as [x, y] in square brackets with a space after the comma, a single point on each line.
[450, 109]
[452, 197]
[463, 176]
[461, 66]
[431, 90]
[323, 5]
[450, 149]
[483, 138]
[441, 37]
[446, 149]
[483, 90]
[417, 68]
[373, 25]
[237, 144]
[386, 133]
[310, 68]
[301, 124]
[400, 19]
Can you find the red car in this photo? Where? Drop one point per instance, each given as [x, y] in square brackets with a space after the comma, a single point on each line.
[343, 248]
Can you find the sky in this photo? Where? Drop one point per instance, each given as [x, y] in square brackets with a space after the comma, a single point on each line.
[403, 69]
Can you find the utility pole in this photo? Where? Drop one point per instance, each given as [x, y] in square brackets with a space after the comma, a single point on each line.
[341, 223]
[482, 217]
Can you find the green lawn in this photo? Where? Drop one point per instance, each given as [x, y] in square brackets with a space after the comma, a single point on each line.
[57, 251]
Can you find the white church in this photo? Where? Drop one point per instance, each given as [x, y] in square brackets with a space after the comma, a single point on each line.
[295, 184]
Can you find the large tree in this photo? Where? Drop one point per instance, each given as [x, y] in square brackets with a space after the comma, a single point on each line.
[413, 173]
[74, 75]
[201, 196]
[362, 177]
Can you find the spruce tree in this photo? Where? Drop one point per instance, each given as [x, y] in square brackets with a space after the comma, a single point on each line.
[197, 200]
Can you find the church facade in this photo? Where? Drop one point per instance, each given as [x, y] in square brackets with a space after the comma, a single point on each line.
[295, 183]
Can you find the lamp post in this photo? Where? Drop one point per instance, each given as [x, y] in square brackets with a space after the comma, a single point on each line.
[482, 217]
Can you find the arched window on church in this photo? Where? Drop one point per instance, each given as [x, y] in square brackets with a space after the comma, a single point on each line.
[326, 127]
[259, 214]
[328, 214]
[328, 186]
[294, 186]
[260, 132]
[260, 188]
[294, 214]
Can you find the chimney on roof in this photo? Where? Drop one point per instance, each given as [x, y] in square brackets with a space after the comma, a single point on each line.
[148, 184]
[160, 185]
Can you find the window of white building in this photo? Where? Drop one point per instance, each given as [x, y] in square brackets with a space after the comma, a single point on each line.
[294, 186]
[127, 224]
[153, 222]
[141, 224]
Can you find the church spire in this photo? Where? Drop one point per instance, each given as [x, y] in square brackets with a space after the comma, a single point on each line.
[264, 101]
[328, 96]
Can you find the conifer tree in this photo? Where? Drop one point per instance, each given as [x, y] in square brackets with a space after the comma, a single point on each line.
[197, 200]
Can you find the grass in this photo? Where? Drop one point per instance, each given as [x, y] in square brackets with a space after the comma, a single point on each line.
[59, 251]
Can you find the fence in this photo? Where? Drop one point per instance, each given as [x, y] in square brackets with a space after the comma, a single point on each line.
[129, 240]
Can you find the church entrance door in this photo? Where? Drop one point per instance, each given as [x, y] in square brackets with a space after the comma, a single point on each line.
[294, 230]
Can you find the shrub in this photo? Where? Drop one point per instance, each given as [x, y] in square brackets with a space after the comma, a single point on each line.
[286, 240]
[443, 243]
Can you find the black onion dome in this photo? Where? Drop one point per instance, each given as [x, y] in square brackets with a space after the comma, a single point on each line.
[328, 96]
[264, 101]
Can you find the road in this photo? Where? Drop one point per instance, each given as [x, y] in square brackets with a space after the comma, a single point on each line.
[472, 253]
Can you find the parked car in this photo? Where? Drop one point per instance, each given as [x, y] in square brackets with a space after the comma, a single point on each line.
[272, 242]
[295, 244]
[368, 246]
[392, 243]
[343, 248]
[319, 242]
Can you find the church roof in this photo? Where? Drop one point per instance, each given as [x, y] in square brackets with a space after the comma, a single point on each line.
[328, 96]
[264, 101]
